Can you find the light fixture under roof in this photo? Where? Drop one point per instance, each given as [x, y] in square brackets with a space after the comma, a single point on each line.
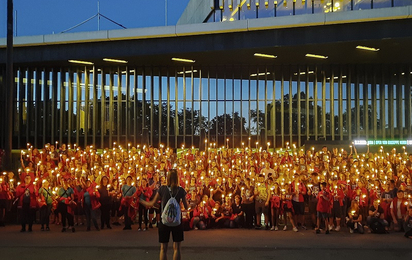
[260, 74]
[316, 56]
[366, 48]
[81, 62]
[183, 60]
[115, 60]
[262, 55]
[187, 72]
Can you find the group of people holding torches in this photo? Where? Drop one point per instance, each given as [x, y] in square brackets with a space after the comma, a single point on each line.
[226, 188]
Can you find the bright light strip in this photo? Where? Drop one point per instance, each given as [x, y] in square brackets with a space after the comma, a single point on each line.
[187, 72]
[360, 142]
[265, 55]
[81, 62]
[114, 60]
[183, 60]
[260, 74]
[316, 56]
[366, 48]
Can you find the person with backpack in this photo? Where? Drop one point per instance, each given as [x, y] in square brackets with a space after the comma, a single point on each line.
[171, 216]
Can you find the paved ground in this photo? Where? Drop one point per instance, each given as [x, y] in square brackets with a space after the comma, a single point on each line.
[209, 244]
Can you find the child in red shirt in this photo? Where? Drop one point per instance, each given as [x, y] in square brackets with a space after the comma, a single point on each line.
[324, 207]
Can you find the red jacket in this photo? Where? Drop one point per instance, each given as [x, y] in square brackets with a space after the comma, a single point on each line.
[403, 206]
[94, 197]
[21, 189]
[324, 204]
[302, 190]
[362, 197]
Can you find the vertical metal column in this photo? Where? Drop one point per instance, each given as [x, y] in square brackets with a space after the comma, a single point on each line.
[233, 108]
[127, 113]
[95, 106]
[399, 106]
[177, 133]
[274, 108]
[62, 104]
[408, 103]
[86, 105]
[340, 104]
[160, 106]
[315, 107]
[119, 104]
[332, 104]
[366, 104]
[324, 106]
[357, 104]
[79, 102]
[257, 106]
[391, 113]
[299, 128]
[374, 106]
[383, 104]
[282, 109]
[151, 105]
[37, 116]
[307, 104]
[136, 108]
[70, 105]
[193, 105]
[168, 108]
[22, 105]
[103, 108]
[349, 103]
[249, 113]
[29, 107]
[111, 107]
[184, 105]
[46, 102]
[224, 108]
[266, 107]
[54, 105]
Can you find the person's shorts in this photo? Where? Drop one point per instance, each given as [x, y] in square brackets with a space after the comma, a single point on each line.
[312, 207]
[164, 233]
[261, 208]
[298, 207]
[337, 210]
[323, 215]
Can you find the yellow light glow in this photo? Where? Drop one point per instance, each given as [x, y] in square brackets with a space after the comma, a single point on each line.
[265, 55]
[183, 60]
[366, 48]
[81, 62]
[115, 60]
[316, 56]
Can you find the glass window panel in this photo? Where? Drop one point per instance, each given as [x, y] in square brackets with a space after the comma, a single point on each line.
[229, 89]
[319, 90]
[205, 89]
[238, 93]
[278, 89]
[253, 117]
[383, 3]
[262, 90]
[172, 92]
[320, 120]
[164, 88]
[212, 89]
[196, 88]
[245, 89]
[303, 7]
[156, 85]
[269, 90]
[188, 81]
[147, 87]
[221, 89]
[284, 8]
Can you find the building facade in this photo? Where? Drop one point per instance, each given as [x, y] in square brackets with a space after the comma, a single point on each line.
[263, 82]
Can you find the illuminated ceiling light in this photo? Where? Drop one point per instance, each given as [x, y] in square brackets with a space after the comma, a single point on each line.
[183, 60]
[248, 4]
[231, 5]
[257, 3]
[81, 62]
[303, 73]
[366, 48]
[221, 4]
[260, 74]
[265, 55]
[115, 60]
[316, 56]
[266, 4]
[187, 72]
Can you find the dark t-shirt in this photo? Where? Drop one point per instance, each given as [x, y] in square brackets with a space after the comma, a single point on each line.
[380, 211]
[164, 193]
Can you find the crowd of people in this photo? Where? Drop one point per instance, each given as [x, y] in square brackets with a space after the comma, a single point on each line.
[325, 190]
